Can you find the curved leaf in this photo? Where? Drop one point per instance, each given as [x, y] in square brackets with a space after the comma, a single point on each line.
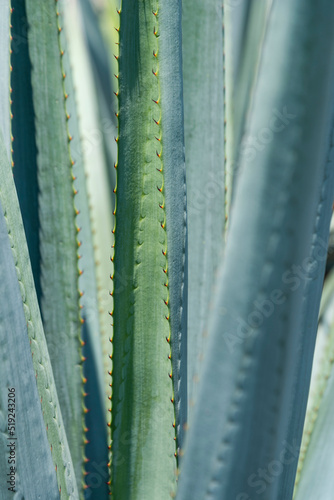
[313, 270]
[249, 365]
[26, 462]
[40, 356]
[315, 476]
[58, 232]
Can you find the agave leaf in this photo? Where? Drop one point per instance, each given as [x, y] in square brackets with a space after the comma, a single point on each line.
[58, 232]
[235, 21]
[98, 189]
[41, 361]
[23, 130]
[315, 468]
[96, 449]
[326, 315]
[109, 16]
[149, 253]
[87, 281]
[106, 99]
[238, 426]
[236, 14]
[5, 74]
[327, 297]
[26, 462]
[243, 82]
[170, 81]
[96, 401]
[244, 30]
[321, 381]
[99, 59]
[296, 398]
[204, 132]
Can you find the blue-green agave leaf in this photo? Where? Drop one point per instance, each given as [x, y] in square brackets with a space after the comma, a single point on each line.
[243, 82]
[235, 435]
[315, 467]
[87, 280]
[326, 316]
[98, 189]
[23, 130]
[96, 450]
[99, 58]
[171, 85]
[236, 14]
[58, 231]
[315, 427]
[5, 74]
[327, 297]
[204, 145]
[26, 461]
[106, 99]
[312, 274]
[40, 356]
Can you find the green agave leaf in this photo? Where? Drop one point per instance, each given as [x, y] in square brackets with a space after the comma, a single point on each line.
[5, 74]
[108, 16]
[41, 361]
[58, 232]
[237, 442]
[23, 130]
[204, 142]
[26, 462]
[149, 262]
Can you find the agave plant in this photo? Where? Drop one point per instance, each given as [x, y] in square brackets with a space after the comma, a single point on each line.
[190, 197]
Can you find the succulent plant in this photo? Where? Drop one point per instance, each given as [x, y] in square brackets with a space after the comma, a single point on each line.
[190, 197]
